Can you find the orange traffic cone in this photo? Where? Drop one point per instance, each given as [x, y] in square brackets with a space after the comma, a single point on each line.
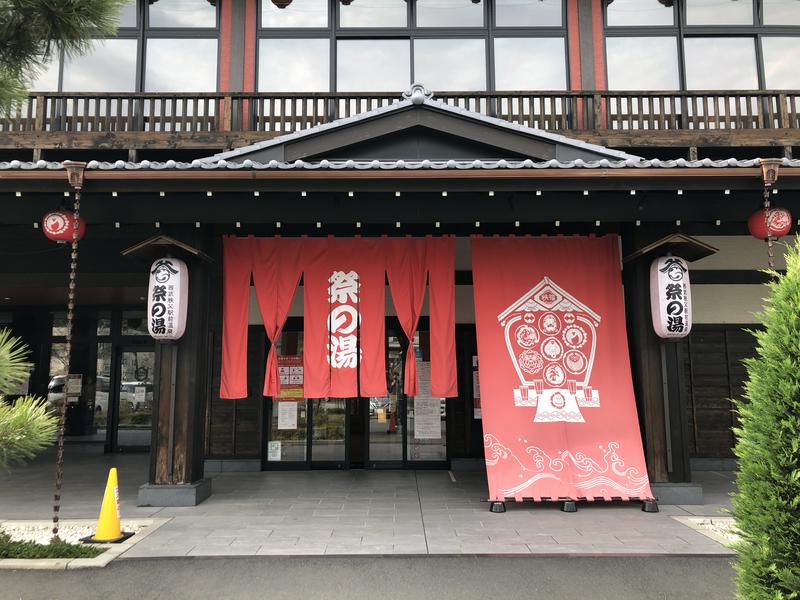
[108, 527]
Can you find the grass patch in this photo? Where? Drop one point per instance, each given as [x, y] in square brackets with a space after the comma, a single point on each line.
[10, 549]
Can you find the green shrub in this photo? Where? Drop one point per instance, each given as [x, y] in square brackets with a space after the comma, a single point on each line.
[25, 425]
[55, 549]
[767, 505]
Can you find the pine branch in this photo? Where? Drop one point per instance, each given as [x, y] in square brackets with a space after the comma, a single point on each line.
[25, 429]
[14, 365]
[32, 31]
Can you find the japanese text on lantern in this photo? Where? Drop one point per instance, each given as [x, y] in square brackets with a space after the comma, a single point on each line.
[344, 319]
[674, 295]
[670, 297]
[162, 308]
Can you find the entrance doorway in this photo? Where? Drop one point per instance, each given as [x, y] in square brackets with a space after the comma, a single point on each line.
[131, 407]
[350, 433]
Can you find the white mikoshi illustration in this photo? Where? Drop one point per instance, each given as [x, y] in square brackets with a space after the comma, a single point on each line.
[552, 339]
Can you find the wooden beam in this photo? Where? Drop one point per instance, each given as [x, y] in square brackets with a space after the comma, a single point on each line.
[218, 140]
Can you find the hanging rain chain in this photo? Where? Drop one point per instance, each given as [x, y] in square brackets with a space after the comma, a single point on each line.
[769, 176]
[770, 237]
[75, 175]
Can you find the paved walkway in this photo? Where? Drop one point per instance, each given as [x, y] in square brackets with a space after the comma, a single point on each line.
[357, 512]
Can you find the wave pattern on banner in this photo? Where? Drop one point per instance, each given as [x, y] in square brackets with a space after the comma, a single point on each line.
[582, 471]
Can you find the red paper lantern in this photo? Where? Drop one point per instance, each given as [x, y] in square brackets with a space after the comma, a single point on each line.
[58, 225]
[779, 219]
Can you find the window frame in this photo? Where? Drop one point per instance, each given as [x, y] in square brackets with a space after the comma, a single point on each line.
[142, 33]
[488, 32]
[681, 31]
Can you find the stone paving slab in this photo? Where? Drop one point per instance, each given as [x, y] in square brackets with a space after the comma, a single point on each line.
[359, 512]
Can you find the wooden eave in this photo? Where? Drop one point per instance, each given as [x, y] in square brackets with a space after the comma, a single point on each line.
[620, 180]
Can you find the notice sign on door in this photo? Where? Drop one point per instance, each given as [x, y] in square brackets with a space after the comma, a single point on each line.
[427, 419]
[290, 373]
[427, 410]
[274, 451]
[287, 415]
[139, 394]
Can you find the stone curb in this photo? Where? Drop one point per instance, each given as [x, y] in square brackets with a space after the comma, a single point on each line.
[61, 564]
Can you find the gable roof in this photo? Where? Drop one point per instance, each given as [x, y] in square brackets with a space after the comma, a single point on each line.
[421, 115]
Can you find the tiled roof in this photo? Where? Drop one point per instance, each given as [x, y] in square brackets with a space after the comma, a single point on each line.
[389, 165]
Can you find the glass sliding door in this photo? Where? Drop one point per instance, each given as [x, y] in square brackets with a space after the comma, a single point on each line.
[391, 431]
[287, 415]
[385, 422]
[329, 431]
[134, 399]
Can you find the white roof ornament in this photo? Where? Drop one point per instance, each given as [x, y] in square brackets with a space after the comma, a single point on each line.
[417, 94]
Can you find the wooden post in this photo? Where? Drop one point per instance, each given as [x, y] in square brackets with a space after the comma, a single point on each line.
[598, 111]
[783, 111]
[38, 123]
[179, 400]
[657, 372]
[227, 113]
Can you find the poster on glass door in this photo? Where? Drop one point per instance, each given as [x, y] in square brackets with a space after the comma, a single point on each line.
[287, 415]
[427, 410]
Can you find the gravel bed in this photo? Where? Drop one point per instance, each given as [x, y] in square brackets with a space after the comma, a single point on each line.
[41, 532]
[724, 526]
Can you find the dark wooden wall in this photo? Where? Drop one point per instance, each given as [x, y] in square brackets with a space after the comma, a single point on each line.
[713, 357]
[234, 426]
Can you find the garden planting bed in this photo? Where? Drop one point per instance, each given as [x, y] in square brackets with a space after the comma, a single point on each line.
[26, 544]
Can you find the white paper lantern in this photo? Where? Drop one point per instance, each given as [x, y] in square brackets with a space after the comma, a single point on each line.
[670, 297]
[167, 299]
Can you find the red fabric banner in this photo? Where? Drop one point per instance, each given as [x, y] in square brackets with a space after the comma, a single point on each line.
[276, 274]
[344, 306]
[406, 269]
[409, 261]
[442, 293]
[236, 271]
[275, 269]
[559, 413]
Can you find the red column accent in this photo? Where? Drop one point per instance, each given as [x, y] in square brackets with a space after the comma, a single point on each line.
[250, 26]
[225, 39]
[574, 41]
[599, 46]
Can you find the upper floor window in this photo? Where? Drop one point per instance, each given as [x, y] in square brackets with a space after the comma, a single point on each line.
[385, 45]
[701, 44]
[151, 52]
[717, 12]
[781, 12]
[182, 13]
[639, 12]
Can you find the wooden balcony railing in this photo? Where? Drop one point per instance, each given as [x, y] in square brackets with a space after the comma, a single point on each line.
[285, 113]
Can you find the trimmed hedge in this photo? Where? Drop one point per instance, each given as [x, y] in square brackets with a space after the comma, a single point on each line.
[767, 505]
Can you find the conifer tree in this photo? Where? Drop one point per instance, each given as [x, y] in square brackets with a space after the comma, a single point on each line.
[32, 31]
[767, 504]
